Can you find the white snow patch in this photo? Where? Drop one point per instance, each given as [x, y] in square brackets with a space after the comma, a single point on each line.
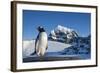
[28, 47]
[54, 46]
[63, 29]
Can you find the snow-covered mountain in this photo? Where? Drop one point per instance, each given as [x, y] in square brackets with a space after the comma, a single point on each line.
[63, 34]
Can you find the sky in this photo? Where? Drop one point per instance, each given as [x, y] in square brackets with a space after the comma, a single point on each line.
[51, 19]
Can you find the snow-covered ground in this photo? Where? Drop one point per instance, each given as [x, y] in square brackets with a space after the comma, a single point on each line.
[53, 46]
[56, 51]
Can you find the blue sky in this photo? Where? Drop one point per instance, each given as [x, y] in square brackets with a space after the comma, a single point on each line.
[50, 19]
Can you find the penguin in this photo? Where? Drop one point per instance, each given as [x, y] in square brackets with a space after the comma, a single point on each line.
[41, 42]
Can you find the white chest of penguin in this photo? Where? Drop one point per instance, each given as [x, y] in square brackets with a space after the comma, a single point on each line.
[42, 42]
[43, 38]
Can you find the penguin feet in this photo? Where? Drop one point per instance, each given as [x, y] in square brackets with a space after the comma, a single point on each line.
[33, 53]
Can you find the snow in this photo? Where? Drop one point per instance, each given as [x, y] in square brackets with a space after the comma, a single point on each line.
[28, 47]
[53, 46]
[63, 29]
[63, 34]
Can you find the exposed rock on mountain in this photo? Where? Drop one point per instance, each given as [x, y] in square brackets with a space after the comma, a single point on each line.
[63, 34]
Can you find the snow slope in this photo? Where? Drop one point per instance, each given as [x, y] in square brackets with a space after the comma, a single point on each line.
[53, 46]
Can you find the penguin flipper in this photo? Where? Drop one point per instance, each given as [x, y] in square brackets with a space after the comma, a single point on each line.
[36, 44]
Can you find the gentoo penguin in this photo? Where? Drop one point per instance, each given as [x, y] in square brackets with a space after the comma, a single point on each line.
[41, 42]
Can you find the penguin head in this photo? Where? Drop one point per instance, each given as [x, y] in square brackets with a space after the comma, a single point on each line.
[41, 29]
